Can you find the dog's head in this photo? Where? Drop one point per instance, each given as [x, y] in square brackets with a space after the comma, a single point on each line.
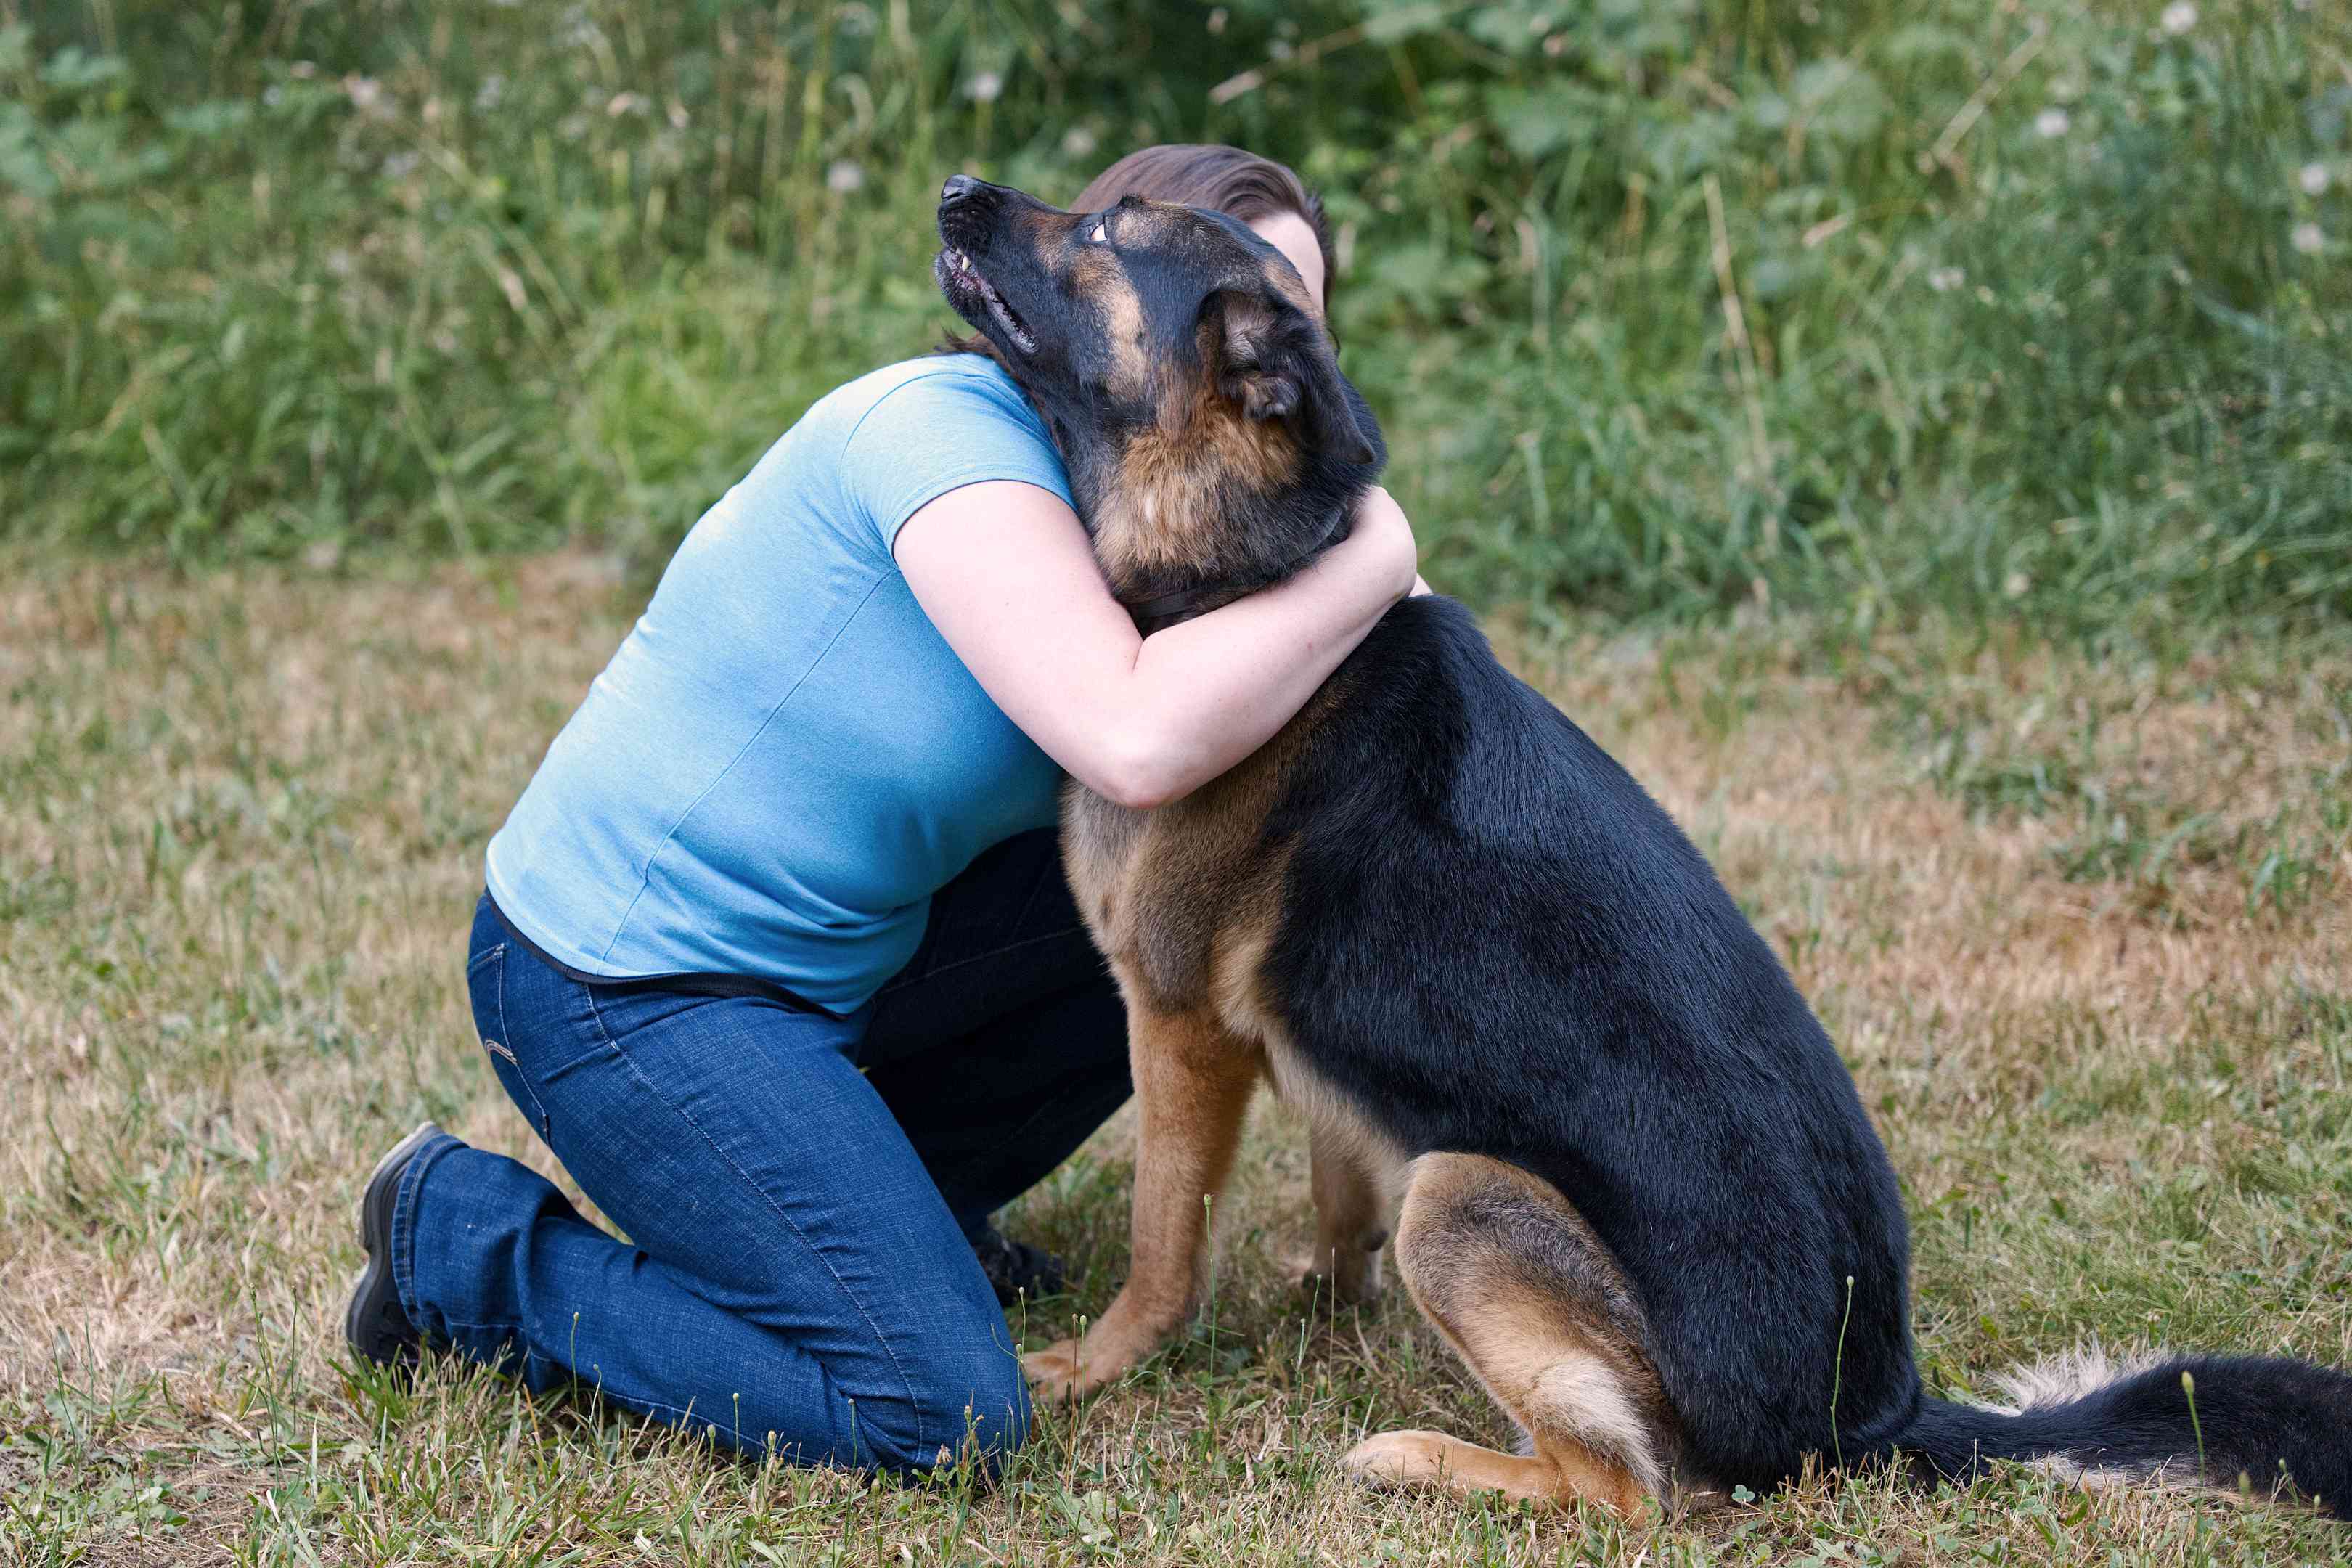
[1210, 441]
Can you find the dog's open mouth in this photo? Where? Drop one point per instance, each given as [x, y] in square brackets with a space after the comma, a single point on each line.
[958, 272]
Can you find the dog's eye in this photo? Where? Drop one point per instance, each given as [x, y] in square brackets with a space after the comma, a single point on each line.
[1101, 235]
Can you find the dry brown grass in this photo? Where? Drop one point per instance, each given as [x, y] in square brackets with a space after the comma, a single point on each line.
[241, 836]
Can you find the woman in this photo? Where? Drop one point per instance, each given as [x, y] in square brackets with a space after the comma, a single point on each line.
[775, 953]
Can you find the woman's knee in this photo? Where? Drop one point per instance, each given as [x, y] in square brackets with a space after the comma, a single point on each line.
[993, 1414]
[965, 1403]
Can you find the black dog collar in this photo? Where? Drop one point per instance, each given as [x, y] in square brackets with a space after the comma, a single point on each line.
[1164, 610]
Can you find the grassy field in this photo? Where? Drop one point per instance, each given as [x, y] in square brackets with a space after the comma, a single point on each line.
[2081, 928]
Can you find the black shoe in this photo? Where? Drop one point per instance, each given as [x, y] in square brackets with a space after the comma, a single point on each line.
[1015, 1269]
[374, 1324]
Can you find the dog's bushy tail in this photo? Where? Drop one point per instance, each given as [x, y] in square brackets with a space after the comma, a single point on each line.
[2270, 1425]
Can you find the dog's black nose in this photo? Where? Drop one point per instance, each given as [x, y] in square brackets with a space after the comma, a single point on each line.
[967, 208]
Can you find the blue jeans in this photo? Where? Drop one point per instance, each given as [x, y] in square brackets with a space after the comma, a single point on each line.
[798, 1276]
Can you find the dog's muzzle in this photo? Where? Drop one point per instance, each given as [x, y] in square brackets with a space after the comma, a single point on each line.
[966, 208]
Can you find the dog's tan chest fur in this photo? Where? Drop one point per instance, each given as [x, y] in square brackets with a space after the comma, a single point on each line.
[1185, 899]
[1157, 888]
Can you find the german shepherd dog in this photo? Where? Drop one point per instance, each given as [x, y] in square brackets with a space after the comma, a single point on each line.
[1632, 1182]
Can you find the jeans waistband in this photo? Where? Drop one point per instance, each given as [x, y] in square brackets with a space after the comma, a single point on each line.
[687, 981]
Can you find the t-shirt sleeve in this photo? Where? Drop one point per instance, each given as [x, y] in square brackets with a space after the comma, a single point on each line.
[937, 433]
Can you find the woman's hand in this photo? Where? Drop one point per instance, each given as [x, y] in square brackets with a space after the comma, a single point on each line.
[1006, 573]
[1378, 513]
[1382, 526]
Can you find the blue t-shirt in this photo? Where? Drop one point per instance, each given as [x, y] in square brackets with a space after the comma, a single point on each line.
[784, 760]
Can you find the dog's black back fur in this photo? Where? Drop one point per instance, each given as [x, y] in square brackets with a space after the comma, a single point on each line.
[1495, 941]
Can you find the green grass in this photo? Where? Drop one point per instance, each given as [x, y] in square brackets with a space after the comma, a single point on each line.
[2012, 742]
[246, 810]
[1866, 308]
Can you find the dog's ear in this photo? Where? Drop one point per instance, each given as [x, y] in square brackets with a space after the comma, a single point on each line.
[1277, 364]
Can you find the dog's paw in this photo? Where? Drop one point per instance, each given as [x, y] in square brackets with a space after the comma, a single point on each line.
[1071, 1369]
[1401, 1458]
[1350, 1277]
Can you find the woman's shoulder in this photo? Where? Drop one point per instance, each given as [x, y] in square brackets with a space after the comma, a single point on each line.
[941, 384]
[908, 433]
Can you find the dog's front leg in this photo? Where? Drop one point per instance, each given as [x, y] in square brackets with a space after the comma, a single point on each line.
[1193, 1084]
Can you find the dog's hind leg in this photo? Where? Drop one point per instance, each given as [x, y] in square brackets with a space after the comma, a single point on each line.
[1510, 1272]
[1351, 1218]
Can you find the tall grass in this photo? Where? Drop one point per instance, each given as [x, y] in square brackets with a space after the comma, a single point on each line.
[2019, 311]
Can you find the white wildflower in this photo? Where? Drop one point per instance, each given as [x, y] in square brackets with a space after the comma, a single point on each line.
[843, 175]
[985, 87]
[1944, 280]
[2178, 17]
[365, 92]
[2051, 123]
[2308, 238]
[1077, 141]
[2313, 179]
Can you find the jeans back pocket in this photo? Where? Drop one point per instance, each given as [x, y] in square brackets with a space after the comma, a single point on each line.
[486, 976]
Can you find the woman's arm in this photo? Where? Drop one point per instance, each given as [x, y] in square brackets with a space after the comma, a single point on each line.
[1004, 571]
